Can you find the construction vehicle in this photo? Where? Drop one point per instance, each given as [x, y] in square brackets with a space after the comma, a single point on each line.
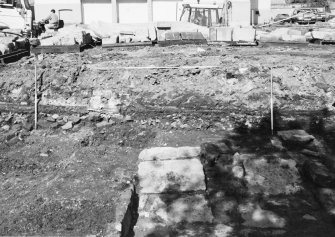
[16, 14]
[201, 14]
[304, 16]
[20, 15]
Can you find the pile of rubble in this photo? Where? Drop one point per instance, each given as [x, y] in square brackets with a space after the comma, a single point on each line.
[14, 127]
[281, 34]
[70, 35]
[296, 35]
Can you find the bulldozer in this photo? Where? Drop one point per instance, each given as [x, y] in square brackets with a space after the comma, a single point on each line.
[207, 15]
[201, 14]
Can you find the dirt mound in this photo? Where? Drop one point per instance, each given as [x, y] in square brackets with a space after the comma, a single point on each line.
[132, 79]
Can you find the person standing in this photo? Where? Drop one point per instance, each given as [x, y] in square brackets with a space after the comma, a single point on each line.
[53, 20]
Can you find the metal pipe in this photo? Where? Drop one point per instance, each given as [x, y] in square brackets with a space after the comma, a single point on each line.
[36, 92]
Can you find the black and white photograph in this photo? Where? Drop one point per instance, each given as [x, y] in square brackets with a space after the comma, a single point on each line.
[167, 118]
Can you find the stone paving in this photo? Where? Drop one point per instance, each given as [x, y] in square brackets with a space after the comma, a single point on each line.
[171, 190]
[222, 189]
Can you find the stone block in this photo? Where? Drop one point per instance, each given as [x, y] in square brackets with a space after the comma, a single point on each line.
[256, 217]
[330, 36]
[294, 38]
[212, 34]
[280, 176]
[104, 104]
[156, 210]
[326, 197]
[296, 136]
[169, 153]
[269, 38]
[198, 36]
[319, 174]
[124, 214]
[224, 33]
[187, 35]
[244, 34]
[191, 36]
[279, 32]
[173, 36]
[171, 176]
[294, 32]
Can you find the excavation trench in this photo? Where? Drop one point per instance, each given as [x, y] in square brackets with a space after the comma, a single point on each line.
[67, 176]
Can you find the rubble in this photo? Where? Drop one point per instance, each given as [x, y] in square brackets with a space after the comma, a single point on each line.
[69, 35]
[67, 126]
[282, 34]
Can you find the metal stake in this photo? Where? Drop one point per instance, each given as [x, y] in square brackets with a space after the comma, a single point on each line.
[271, 101]
[36, 92]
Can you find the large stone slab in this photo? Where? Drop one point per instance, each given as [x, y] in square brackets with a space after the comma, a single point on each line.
[173, 36]
[294, 38]
[244, 34]
[272, 176]
[319, 173]
[171, 176]
[326, 197]
[224, 33]
[296, 136]
[159, 211]
[212, 33]
[188, 230]
[169, 153]
[254, 216]
[285, 31]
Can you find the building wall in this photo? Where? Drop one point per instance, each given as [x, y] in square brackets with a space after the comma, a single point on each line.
[166, 10]
[94, 10]
[132, 11]
[129, 11]
[216, 2]
[240, 13]
[261, 11]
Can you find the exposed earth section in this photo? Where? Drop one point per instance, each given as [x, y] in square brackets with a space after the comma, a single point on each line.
[109, 156]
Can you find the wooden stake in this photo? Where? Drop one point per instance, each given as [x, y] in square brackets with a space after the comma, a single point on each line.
[36, 92]
[271, 102]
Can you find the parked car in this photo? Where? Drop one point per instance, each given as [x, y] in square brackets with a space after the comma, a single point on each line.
[304, 16]
[282, 18]
[320, 16]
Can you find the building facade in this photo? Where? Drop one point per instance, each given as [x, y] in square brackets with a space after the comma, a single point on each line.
[260, 11]
[114, 11]
[243, 12]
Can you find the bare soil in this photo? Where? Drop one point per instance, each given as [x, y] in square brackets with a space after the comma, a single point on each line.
[70, 182]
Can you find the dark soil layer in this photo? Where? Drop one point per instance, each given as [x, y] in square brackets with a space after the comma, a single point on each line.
[62, 180]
